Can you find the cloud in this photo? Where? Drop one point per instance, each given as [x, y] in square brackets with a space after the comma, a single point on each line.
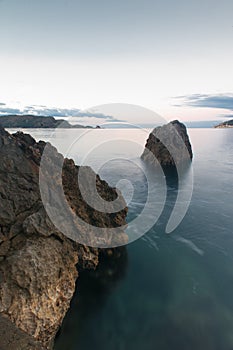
[47, 112]
[94, 115]
[54, 112]
[220, 101]
[230, 116]
[5, 110]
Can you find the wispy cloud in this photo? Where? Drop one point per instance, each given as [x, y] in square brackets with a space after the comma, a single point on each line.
[6, 110]
[54, 112]
[219, 101]
[230, 116]
[46, 111]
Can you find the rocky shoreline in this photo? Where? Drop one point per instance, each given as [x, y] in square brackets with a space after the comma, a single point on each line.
[38, 264]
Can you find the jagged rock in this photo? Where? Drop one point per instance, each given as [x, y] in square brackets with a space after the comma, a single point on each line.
[168, 145]
[38, 263]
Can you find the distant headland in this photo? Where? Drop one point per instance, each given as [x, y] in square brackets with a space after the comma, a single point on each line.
[34, 121]
[226, 124]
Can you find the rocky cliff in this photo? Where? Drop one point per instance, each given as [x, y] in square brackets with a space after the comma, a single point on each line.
[168, 145]
[38, 264]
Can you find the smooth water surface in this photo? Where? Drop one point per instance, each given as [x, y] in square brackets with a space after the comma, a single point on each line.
[170, 291]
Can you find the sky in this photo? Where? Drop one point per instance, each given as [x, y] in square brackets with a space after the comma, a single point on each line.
[173, 57]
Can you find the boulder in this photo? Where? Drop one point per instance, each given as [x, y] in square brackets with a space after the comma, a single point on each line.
[168, 145]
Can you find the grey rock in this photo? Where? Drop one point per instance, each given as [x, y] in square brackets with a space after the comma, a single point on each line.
[168, 145]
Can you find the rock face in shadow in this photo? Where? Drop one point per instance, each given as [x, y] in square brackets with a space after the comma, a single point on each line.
[13, 338]
[38, 264]
[168, 145]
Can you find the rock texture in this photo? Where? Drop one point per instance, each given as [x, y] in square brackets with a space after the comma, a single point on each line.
[13, 338]
[38, 264]
[33, 121]
[168, 145]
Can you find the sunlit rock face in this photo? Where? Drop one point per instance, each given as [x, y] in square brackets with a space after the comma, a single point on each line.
[168, 145]
[39, 264]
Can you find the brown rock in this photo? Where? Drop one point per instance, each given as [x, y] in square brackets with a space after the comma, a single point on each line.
[15, 339]
[37, 262]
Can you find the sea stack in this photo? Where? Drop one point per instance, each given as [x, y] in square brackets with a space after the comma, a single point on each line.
[168, 145]
[38, 264]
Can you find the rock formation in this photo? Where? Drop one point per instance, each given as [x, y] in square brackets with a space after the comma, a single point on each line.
[38, 264]
[12, 338]
[168, 145]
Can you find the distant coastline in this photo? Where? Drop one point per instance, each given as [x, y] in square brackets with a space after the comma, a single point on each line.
[226, 124]
[33, 121]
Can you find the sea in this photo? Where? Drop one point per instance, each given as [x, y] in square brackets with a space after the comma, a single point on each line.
[167, 290]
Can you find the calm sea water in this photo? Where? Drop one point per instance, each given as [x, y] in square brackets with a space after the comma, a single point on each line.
[169, 291]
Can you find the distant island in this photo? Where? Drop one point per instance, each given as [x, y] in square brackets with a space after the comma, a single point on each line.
[34, 121]
[227, 124]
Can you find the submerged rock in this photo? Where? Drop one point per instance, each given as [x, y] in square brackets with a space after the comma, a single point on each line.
[168, 145]
[38, 264]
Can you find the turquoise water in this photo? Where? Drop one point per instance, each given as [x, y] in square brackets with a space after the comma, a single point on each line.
[167, 291]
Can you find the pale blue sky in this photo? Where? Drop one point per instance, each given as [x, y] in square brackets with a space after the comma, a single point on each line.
[78, 54]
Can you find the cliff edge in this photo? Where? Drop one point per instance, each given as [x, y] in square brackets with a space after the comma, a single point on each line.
[38, 264]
